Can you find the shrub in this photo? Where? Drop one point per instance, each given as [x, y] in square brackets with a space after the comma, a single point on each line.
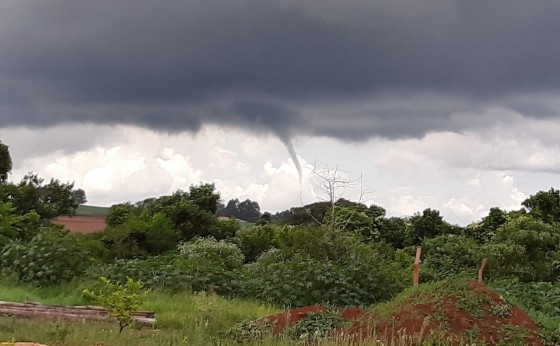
[159, 272]
[320, 243]
[362, 276]
[210, 265]
[141, 235]
[317, 325]
[254, 241]
[17, 227]
[223, 229]
[120, 300]
[448, 255]
[540, 299]
[51, 257]
[525, 248]
[353, 220]
[393, 231]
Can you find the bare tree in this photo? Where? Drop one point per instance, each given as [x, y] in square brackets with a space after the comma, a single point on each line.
[332, 183]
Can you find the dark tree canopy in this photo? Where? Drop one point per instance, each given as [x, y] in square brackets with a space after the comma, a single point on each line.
[429, 224]
[46, 199]
[205, 197]
[544, 205]
[80, 196]
[247, 210]
[5, 162]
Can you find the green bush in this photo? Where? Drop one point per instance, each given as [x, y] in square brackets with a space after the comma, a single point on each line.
[210, 265]
[393, 231]
[51, 257]
[540, 299]
[254, 241]
[525, 248]
[158, 272]
[17, 227]
[362, 276]
[200, 265]
[448, 255]
[316, 326]
[354, 220]
[141, 235]
[120, 300]
[320, 243]
[223, 229]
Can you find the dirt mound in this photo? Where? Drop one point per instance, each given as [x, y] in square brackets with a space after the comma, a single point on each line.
[451, 312]
[285, 320]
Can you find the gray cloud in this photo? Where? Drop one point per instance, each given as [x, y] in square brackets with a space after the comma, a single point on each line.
[281, 66]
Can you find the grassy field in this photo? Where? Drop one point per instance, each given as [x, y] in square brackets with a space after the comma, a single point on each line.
[89, 210]
[182, 319]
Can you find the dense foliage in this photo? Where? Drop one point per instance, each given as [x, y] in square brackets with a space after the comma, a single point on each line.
[51, 257]
[5, 162]
[341, 253]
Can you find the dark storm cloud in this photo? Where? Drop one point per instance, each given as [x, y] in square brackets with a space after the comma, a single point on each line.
[275, 66]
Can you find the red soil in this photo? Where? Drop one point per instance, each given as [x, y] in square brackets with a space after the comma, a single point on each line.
[419, 320]
[82, 224]
[285, 320]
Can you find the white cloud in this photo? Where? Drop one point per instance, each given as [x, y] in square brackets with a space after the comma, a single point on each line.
[460, 174]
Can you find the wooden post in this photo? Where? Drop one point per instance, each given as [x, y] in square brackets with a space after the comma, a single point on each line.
[481, 270]
[416, 274]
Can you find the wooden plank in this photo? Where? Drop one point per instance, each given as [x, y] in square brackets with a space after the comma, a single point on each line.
[481, 270]
[416, 273]
[84, 313]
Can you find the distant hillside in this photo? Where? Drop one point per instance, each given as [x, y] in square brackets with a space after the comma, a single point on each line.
[89, 210]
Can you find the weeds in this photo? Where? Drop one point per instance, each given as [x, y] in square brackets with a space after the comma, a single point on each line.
[502, 310]
[317, 325]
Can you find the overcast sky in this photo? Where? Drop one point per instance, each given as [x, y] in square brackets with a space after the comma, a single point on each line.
[445, 104]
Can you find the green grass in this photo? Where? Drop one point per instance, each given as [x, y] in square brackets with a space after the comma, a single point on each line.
[196, 319]
[89, 210]
[70, 294]
[182, 319]
[245, 224]
[540, 300]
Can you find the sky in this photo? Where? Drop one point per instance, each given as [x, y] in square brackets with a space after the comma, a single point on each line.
[449, 104]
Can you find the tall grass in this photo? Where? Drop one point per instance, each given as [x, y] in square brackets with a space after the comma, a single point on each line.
[69, 294]
[182, 319]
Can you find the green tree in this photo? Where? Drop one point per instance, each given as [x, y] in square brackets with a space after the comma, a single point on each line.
[48, 200]
[120, 300]
[119, 213]
[484, 231]
[544, 205]
[526, 248]
[265, 219]
[140, 235]
[187, 214]
[17, 227]
[247, 210]
[393, 231]
[5, 162]
[427, 225]
[80, 196]
[205, 197]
